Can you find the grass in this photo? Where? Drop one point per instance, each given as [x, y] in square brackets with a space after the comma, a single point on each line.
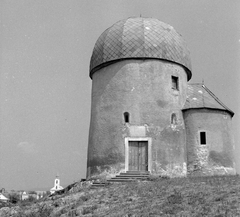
[200, 196]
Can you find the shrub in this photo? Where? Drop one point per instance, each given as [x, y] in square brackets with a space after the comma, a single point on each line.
[89, 209]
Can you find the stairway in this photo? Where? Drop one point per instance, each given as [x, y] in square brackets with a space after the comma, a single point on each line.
[130, 176]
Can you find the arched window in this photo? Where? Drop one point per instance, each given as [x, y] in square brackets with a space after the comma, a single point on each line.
[126, 117]
[173, 119]
[175, 83]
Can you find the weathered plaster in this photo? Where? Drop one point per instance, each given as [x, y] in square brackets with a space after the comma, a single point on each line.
[137, 131]
[143, 88]
[216, 157]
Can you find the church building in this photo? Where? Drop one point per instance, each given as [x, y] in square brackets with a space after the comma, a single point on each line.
[57, 186]
[145, 115]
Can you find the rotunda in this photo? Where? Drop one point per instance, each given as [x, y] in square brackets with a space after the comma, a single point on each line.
[139, 70]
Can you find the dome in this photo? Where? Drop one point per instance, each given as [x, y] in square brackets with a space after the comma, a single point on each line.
[140, 38]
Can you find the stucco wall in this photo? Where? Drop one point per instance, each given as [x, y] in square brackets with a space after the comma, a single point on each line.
[144, 89]
[216, 157]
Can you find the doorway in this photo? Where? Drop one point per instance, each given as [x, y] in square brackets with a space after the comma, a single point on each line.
[138, 154]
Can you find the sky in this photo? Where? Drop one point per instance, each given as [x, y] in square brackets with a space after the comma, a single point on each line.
[45, 89]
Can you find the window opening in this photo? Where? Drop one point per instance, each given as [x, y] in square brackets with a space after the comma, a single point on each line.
[174, 82]
[173, 119]
[126, 117]
[203, 139]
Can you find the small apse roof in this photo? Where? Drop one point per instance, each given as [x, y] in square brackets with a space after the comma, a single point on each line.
[141, 38]
[199, 96]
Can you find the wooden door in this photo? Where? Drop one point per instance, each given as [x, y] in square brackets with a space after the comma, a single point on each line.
[138, 156]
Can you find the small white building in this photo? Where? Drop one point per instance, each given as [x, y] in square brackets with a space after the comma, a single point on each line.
[57, 186]
[24, 195]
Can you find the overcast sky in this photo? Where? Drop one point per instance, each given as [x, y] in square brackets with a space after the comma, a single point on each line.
[45, 89]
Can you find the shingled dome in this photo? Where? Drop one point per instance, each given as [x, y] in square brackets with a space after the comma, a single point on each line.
[138, 38]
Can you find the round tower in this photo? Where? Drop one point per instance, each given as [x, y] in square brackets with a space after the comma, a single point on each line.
[139, 70]
[209, 142]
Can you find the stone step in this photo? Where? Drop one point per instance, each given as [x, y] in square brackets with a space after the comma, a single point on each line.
[99, 184]
[119, 180]
[120, 177]
[137, 171]
[132, 175]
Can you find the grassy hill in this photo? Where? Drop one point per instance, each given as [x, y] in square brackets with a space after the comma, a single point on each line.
[200, 196]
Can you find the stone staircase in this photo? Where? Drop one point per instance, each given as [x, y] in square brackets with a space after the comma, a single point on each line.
[129, 176]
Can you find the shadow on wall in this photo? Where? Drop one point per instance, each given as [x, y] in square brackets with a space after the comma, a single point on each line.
[237, 158]
[221, 158]
[101, 88]
[111, 157]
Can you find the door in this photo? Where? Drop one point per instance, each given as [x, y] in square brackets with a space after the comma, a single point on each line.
[138, 156]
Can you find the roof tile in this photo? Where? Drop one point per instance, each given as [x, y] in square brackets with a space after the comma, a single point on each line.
[140, 38]
[199, 96]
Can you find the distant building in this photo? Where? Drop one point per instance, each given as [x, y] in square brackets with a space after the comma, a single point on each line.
[145, 116]
[57, 186]
[33, 194]
[40, 194]
[24, 195]
[3, 198]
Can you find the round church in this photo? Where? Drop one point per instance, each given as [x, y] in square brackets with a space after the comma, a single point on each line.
[145, 116]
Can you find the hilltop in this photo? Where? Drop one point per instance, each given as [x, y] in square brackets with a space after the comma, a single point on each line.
[200, 196]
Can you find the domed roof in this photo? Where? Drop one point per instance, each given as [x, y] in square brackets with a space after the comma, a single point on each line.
[140, 38]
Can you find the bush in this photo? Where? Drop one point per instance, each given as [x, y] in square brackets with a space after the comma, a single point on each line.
[14, 198]
[89, 209]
